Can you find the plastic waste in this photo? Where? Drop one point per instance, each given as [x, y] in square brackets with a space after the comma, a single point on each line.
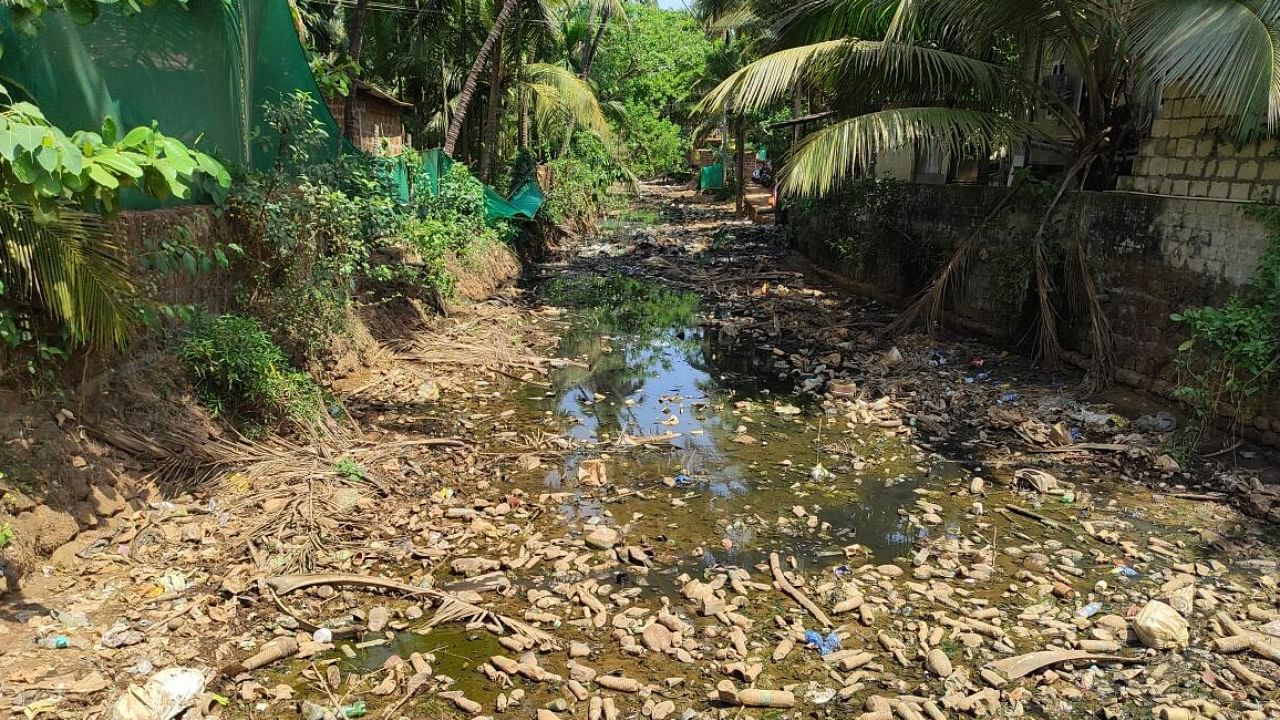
[1125, 571]
[1160, 626]
[1089, 610]
[824, 645]
[355, 709]
[165, 696]
[54, 642]
[820, 473]
[322, 635]
[683, 480]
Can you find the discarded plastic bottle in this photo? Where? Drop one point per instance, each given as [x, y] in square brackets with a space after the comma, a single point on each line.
[1089, 610]
[54, 642]
[354, 710]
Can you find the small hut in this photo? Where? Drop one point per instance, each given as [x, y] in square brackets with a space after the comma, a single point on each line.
[379, 120]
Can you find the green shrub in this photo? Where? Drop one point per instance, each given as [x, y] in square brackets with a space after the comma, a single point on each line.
[1233, 353]
[240, 372]
[579, 194]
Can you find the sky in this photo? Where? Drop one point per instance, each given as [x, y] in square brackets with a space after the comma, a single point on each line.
[672, 4]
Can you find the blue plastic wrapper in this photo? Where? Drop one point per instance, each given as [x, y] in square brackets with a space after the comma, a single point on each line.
[825, 646]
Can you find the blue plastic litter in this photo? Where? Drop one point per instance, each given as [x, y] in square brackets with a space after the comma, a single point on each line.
[1126, 571]
[683, 480]
[825, 646]
[1010, 397]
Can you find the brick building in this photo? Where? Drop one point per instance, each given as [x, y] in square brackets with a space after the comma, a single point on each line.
[1183, 157]
[379, 120]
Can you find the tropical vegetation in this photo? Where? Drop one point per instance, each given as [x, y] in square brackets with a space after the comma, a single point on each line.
[961, 79]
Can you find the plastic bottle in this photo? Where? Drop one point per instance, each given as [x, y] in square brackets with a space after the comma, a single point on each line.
[1089, 610]
[355, 709]
[54, 642]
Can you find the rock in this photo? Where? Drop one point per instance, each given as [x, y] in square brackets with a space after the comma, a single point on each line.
[378, 618]
[663, 710]
[579, 649]
[1160, 627]
[603, 537]
[657, 638]
[938, 663]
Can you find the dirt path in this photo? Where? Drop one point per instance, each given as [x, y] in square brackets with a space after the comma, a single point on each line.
[653, 473]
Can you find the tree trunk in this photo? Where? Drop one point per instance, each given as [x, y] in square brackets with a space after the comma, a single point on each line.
[587, 60]
[522, 129]
[473, 75]
[742, 165]
[489, 147]
[355, 36]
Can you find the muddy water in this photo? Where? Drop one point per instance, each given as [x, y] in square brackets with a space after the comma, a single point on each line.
[742, 455]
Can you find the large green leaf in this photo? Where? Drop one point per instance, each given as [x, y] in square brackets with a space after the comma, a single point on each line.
[828, 157]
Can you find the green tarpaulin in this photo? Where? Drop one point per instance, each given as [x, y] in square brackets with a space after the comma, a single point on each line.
[523, 204]
[204, 71]
[712, 178]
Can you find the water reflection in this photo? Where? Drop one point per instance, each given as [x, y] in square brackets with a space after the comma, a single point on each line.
[737, 465]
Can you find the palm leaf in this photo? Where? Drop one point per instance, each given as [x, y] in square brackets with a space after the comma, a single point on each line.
[875, 67]
[72, 269]
[1225, 52]
[559, 93]
[829, 156]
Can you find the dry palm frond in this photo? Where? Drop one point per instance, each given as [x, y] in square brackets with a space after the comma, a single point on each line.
[1102, 359]
[451, 608]
[929, 305]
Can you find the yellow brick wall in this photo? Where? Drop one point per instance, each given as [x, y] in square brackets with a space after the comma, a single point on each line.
[1183, 158]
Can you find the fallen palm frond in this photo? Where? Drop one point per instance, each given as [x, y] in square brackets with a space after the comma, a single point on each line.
[302, 501]
[451, 608]
[929, 304]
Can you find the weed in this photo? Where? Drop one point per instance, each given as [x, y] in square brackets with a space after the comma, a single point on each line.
[1233, 352]
[239, 371]
[350, 469]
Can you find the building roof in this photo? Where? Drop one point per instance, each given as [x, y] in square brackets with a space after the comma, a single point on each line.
[377, 92]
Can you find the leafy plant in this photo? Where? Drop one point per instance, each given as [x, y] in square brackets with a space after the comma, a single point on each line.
[579, 194]
[60, 260]
[1233, 352]
[6, 534]
[240, 371]
[350, 469]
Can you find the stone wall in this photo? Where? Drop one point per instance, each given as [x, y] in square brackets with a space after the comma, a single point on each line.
[1151, 256]
[1183, 157]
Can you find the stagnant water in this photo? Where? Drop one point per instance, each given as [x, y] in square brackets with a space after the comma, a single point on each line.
[739, 453]
[743, 452]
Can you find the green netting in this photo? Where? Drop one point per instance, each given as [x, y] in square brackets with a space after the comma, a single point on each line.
[712, 177]
[204, 73]
[524, 203]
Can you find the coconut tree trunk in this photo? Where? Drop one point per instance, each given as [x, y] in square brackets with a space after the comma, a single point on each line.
[355, 40]
[489, 145]
[587, 60]
[473, 75]
[742, 165]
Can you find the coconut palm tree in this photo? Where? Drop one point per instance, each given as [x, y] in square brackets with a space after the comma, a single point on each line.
[957, 77]
[473, 75]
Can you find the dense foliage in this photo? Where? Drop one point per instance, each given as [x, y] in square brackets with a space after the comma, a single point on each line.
[240, 372]
[655, 67]
[1233, 353]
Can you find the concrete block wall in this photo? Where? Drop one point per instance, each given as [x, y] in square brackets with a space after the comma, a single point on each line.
[1151, 257]
[1183, 157]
